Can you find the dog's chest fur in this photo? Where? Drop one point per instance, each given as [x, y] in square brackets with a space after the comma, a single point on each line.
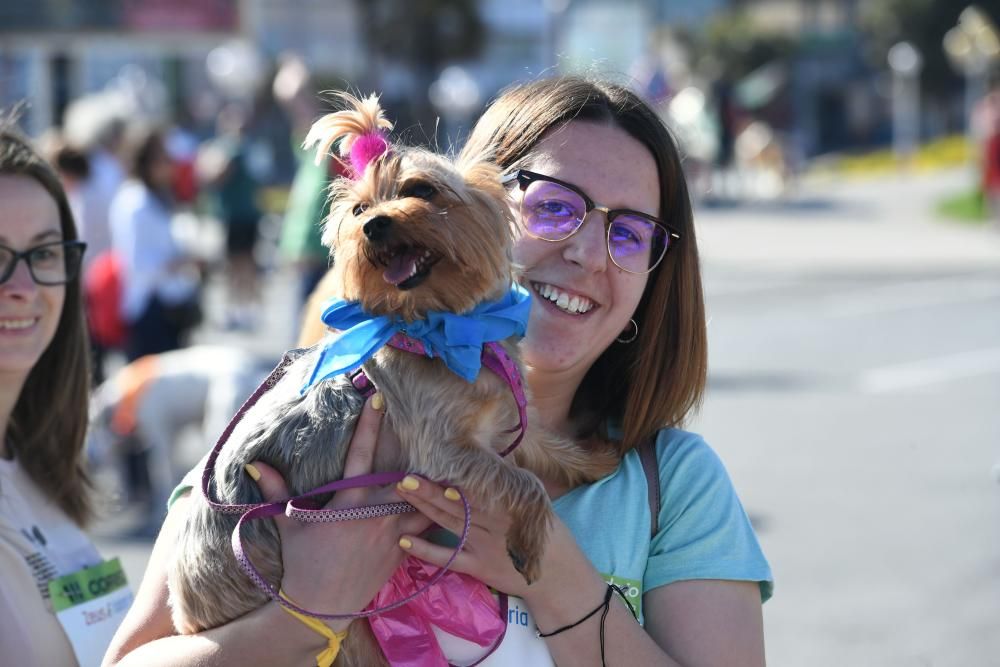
[429, 406]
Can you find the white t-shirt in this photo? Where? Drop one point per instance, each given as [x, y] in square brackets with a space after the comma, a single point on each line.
[141, 235]
[38, 543]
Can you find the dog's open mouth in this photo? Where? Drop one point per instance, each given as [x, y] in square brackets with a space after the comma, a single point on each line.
[407, 266]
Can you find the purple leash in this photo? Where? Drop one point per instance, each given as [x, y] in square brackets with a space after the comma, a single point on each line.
[494, 357]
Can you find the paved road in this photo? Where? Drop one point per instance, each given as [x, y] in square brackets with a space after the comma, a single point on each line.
[853, 393]
[858, 417]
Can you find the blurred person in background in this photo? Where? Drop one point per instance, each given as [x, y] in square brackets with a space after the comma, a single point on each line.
[615, 349]
[72, 166]
[45, 491]
[90, 196]
[159, 281]
[101, 140]
[223, 168]
[986, 123]
[145, 408]
[308, 202]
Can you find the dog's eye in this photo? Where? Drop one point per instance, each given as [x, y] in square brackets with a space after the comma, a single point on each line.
[359, 209]
[420, 190]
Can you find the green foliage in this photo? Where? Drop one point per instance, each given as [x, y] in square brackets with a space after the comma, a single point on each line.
[923, 23]
[969, 207]
[733, 46]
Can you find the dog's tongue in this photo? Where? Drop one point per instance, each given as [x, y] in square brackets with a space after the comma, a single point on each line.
[400, 267]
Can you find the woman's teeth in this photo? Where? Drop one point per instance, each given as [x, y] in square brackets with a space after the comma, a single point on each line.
[571, 304]
[13, 325]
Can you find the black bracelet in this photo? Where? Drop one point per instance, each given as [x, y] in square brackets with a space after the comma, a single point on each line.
[606, 606]
[603, 605]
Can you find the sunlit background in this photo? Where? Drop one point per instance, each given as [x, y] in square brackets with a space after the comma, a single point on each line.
[844, 160]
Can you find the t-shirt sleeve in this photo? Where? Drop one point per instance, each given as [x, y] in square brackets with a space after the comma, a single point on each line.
[704, 532]
[192, 480]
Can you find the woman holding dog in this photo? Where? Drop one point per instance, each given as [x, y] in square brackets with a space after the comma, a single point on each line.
[44, 490]
[615, 349]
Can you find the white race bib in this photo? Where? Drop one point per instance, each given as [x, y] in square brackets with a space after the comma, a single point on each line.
[90, 604]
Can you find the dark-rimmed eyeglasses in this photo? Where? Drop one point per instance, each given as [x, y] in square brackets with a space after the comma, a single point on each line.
[55, 263]
[554, 210]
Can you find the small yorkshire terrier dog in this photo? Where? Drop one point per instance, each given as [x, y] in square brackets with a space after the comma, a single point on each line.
[411, 233]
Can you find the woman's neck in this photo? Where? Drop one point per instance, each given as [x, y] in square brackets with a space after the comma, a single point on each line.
[552, 396]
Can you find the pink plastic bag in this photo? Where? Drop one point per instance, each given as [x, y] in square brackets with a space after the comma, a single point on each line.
[458, 604]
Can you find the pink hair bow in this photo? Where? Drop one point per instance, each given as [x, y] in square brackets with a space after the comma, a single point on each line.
[361, 129]
[457, 604]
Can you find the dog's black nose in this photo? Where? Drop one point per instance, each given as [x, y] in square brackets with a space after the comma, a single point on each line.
[375, 229]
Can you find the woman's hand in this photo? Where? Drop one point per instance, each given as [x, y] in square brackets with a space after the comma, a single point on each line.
[485, 554]
[337, 568]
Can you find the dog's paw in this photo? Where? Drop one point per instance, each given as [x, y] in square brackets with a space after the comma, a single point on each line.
[526, 543]
[521, 564]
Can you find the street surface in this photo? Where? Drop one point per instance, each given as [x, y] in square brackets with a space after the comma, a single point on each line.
[854, 395]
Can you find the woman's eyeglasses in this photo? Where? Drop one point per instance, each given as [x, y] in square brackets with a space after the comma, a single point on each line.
[54, 263]
[553, 210]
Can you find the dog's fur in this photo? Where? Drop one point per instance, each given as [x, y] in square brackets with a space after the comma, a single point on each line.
[450, 429]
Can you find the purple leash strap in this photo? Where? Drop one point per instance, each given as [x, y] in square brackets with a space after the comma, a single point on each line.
[497, 360]
[251, 512]
[494, 357]
[209, 471]
[274, 509]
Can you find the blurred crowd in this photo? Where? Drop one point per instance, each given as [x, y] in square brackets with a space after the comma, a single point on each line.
[170, 204]
[166, 209]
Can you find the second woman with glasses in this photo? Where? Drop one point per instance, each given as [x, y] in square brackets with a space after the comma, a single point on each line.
[45, 557]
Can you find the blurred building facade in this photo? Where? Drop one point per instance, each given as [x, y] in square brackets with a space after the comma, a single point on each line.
[826, 94]
[54, 52]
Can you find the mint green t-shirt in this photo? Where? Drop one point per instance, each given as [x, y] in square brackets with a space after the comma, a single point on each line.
[704, 532]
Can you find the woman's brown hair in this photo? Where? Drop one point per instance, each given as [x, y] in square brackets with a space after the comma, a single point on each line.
[658, 379]
[48, 426]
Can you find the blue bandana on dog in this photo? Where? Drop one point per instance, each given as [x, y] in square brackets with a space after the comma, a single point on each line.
[457, 339]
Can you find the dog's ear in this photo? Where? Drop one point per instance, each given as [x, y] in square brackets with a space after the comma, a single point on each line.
[360, 127]
[484, 176]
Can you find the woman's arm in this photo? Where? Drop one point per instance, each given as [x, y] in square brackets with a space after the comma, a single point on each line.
[322, 566]
[703, 623]
[708, 622]
[147, 637]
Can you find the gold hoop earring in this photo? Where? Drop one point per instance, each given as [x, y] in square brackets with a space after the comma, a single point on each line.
[624, 339]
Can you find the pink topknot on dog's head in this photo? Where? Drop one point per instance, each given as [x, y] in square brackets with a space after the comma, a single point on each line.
[366, 149]
[361, 129]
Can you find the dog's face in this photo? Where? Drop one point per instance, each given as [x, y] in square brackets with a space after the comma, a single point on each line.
[418, 233]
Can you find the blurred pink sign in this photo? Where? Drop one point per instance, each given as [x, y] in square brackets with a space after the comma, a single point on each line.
[180, 14]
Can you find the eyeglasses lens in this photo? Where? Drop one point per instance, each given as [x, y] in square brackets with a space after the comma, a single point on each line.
[552, 212]
[49, 264]
[636, 244]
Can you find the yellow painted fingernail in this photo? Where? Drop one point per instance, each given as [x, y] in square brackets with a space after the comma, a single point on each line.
[410, 483]
[378, 402]
[252, 471]
[452, 494]
[405, 543]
